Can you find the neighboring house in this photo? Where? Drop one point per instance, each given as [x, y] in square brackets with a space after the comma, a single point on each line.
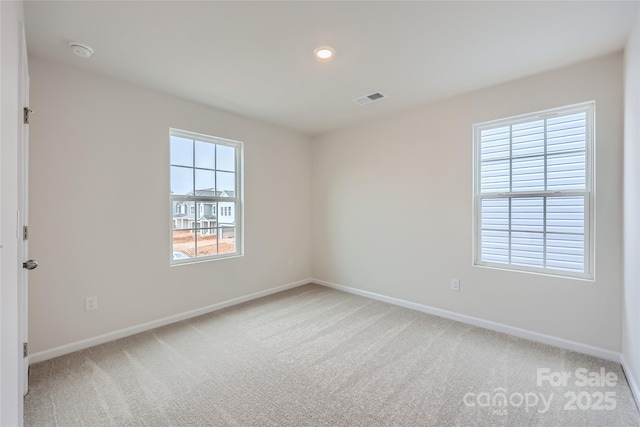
[209, 216]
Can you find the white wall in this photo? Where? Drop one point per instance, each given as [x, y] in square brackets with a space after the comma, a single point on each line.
[631, 311]
[11, 16]
[419, 165]
[100, 213]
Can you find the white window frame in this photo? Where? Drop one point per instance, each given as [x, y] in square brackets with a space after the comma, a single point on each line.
[589, 192]
[238, 199]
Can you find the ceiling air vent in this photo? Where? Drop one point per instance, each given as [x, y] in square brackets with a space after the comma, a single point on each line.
[369, 98]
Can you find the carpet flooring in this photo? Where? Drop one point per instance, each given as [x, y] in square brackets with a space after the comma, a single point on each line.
[314, 356]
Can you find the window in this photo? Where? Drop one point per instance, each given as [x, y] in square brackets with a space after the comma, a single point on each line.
[205, 174]
[533, 192]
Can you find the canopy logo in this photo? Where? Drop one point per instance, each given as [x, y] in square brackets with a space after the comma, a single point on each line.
[499, 400]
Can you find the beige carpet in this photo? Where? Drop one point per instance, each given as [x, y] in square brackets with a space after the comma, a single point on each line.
[314, 356]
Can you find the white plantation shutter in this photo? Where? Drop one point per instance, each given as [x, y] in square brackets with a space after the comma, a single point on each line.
[533, 191]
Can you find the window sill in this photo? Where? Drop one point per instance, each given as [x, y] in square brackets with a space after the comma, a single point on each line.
[204, 259]
[548, 273]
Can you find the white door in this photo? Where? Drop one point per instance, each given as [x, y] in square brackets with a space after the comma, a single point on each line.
[23, 218]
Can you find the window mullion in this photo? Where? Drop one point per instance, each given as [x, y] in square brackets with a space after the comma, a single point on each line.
[545, 154]
[510, 159]
[544, 201]
[544, 232]
[510, 231]
[209, 199]
[195, 203]
[215, 191]
[518, 194]
[215, 165]
[510, 188]
[587, 233]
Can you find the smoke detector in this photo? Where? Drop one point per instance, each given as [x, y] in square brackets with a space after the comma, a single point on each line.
[82, 50]
[369, 98]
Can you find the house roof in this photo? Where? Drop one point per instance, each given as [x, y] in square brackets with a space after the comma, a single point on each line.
[210, 192]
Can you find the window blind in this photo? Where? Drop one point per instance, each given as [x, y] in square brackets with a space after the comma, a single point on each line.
[533, 192]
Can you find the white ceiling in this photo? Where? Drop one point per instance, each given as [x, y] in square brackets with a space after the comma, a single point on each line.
[255, 58]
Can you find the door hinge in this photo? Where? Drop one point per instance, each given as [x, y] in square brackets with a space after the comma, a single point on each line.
[25, 349]
[25, 233]
[26, 112]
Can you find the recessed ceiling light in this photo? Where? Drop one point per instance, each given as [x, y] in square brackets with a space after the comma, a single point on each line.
[324, 53]
[82, 50]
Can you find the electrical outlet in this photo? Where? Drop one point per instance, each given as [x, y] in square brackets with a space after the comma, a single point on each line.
[90, 303]
[455, 284]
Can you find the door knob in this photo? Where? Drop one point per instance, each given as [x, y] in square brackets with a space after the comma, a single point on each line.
[30, 264]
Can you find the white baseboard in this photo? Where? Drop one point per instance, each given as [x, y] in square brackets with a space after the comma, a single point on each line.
[101, 339]
[487, 324]
[633, 384]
